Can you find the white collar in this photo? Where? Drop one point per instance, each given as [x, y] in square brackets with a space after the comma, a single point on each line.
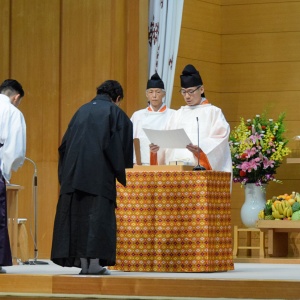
[5, 98]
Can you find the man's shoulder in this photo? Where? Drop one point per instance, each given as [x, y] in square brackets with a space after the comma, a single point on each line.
[8, 107]
[4, 101]
[170, 112]
[171, 109]
[214, 107]
[96, 104]
[139, 112]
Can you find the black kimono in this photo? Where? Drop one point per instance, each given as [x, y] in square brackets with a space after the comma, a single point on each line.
[95, 150]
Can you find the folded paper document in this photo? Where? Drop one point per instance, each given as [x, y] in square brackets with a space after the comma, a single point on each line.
[175, 138]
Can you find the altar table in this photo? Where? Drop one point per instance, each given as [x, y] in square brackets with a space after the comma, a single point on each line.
[278, 235]
[174, 221]
[12, 218]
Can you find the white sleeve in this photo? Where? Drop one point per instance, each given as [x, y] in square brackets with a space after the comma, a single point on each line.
[13, 151]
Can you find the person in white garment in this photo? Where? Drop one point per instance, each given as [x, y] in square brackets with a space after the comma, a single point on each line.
[198, 118]
[155, 116]
[12, 154]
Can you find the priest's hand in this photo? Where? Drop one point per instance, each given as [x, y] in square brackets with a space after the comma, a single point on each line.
[153, 148]
[194, 149]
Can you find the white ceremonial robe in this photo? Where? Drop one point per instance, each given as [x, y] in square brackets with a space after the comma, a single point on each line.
[213, 136]
[12, 136]
[145, 118]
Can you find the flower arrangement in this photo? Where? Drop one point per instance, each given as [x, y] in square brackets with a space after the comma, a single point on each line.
[257, 149]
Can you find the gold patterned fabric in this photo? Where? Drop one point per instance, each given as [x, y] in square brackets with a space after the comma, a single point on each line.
[178, 221]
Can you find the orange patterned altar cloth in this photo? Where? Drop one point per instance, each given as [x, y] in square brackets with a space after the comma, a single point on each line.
[170, 221]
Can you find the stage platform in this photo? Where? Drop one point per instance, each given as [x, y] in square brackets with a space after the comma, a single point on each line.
[247, 281]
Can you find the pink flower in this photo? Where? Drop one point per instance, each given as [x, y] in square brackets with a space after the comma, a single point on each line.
[248, 166]
[250, 152]
[268, 163]
[255, 137]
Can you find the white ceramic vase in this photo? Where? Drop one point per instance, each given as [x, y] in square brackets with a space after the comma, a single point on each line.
[255, 201]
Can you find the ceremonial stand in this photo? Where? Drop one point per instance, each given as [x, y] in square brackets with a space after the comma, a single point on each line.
[249, 247]
[12, 216]
[174, 221]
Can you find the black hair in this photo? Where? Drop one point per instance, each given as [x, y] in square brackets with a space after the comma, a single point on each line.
[112, 88]
[13, 86]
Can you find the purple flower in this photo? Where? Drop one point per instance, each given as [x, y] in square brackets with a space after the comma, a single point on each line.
[269, 177]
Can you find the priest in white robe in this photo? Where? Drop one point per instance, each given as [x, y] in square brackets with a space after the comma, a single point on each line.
[155, 116]
[200, 119]
[12, 153]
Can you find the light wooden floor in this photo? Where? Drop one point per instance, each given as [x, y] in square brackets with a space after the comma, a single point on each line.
[248, 281]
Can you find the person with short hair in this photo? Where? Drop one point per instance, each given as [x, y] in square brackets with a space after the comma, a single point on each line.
[198, 118]
[12, 154]
[154, 116]
[94, 152]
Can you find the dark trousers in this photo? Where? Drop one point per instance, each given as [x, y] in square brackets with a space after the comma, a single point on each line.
[5, 252]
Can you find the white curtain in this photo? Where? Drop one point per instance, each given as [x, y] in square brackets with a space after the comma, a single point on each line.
[163, 37]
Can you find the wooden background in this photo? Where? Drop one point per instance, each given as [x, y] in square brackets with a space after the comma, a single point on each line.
[61, 50]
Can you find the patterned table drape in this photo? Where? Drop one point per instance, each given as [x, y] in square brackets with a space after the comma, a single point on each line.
[174, 221]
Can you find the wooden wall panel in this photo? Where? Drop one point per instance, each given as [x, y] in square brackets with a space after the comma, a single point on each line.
[200, 45]
[100, 49]
[200, 50]
[4, 39]
[137, 55]
[35, 63]
[256, 17]
[260, 77]
[218, 2]
[236, 104]
[202, 15]
[261, 47]
[37, 30]
[243, 2]
[118, 41]
[86, 53]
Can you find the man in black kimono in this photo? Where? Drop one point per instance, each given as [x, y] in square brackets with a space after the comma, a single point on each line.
[95, 150]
